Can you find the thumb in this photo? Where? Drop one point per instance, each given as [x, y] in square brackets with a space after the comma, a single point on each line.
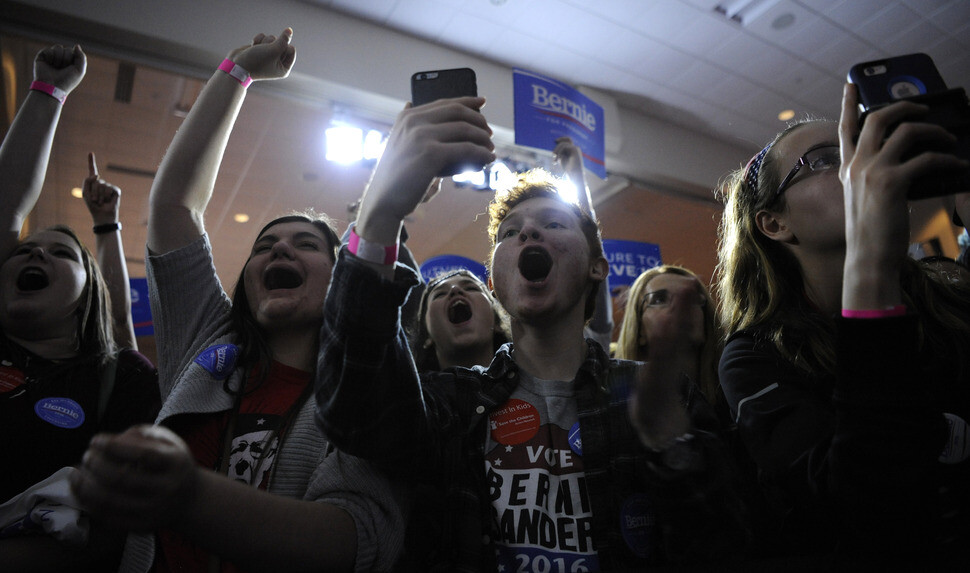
[285, 38]
[79, 59]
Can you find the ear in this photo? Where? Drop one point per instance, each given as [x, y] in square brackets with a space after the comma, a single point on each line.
[774, 226]
[599, 268]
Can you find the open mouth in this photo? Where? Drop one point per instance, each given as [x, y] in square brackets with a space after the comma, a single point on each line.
[31, 279]
[282, 278]
[459, 311]
[535, 264]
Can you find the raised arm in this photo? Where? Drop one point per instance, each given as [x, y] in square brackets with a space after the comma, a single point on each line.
[187, 175]
[103, 200]
[876, 172]
[364, 351]
[27, 147]
[570, 156]
[424, 142]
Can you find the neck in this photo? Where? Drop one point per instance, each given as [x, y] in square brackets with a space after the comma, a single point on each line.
[822, 276]
[51, 348]
[550, 351]
[466, 357]
[296, 348]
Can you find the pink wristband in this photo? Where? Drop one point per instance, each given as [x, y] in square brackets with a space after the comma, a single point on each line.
[898, 310]
[237, 72]
[371, 252]
[53, 91]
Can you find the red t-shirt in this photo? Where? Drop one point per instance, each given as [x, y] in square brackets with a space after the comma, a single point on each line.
[251, 457]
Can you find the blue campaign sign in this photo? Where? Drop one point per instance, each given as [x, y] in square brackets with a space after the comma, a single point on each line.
[628, 259]
[448, 263]
[141, 312]
[546, 109]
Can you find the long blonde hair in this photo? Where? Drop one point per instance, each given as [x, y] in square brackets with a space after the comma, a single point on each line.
[627, 346]
[761, 285]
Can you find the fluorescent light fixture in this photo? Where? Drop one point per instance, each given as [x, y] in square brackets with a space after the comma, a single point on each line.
[240, 218]
[744, 11]
[472, 178]
[374, 143]
[345, 144]
[500, 177]
[76, 192]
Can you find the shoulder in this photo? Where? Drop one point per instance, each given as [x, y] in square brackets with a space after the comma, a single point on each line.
[133, 364]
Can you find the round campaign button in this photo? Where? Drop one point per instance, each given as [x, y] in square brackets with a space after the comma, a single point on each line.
[61, 412]
[517, 421]
[638, 524]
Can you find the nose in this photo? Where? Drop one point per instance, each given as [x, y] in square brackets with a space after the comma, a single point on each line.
[37, 251]
[281, 249]
[528, 232]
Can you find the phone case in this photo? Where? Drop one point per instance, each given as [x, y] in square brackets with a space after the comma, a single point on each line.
[884, 81]
[433, 85]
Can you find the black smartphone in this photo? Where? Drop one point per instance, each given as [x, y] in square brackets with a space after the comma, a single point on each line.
[882, 82]
[914, 77]
[427, 87]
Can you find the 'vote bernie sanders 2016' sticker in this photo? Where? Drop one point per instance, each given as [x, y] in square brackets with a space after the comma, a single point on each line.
[61, 412]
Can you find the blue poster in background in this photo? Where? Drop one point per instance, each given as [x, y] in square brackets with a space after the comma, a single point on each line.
[141, 312]
[447, 263]
[628, 259]
[546, 109]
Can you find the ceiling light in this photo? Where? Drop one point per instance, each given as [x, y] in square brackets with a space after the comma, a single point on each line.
[76, 192]
[783, 21]
[471, 178]
[345, 144]
[374, 143]
[240, 218]
[744, 11]
[787, 114]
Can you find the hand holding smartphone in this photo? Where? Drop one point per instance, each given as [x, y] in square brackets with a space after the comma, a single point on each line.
[914, 77]
[430, 86]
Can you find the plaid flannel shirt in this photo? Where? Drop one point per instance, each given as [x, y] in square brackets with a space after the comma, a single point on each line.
[431, 429]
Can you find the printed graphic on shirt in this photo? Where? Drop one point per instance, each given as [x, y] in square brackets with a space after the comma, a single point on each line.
[253, 448]
[10, 377]
[539, 499]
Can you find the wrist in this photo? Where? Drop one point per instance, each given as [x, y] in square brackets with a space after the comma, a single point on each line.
[105, 228]
[236, 72]
[372, 252]
[49, 89]
[376, 229]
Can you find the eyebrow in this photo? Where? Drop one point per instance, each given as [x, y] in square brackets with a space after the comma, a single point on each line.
[461, 283]
[269, 237]
[821, 145]
[545, 212]
[51, 244]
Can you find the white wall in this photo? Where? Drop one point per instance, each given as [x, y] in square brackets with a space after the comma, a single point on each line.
[363, 67]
